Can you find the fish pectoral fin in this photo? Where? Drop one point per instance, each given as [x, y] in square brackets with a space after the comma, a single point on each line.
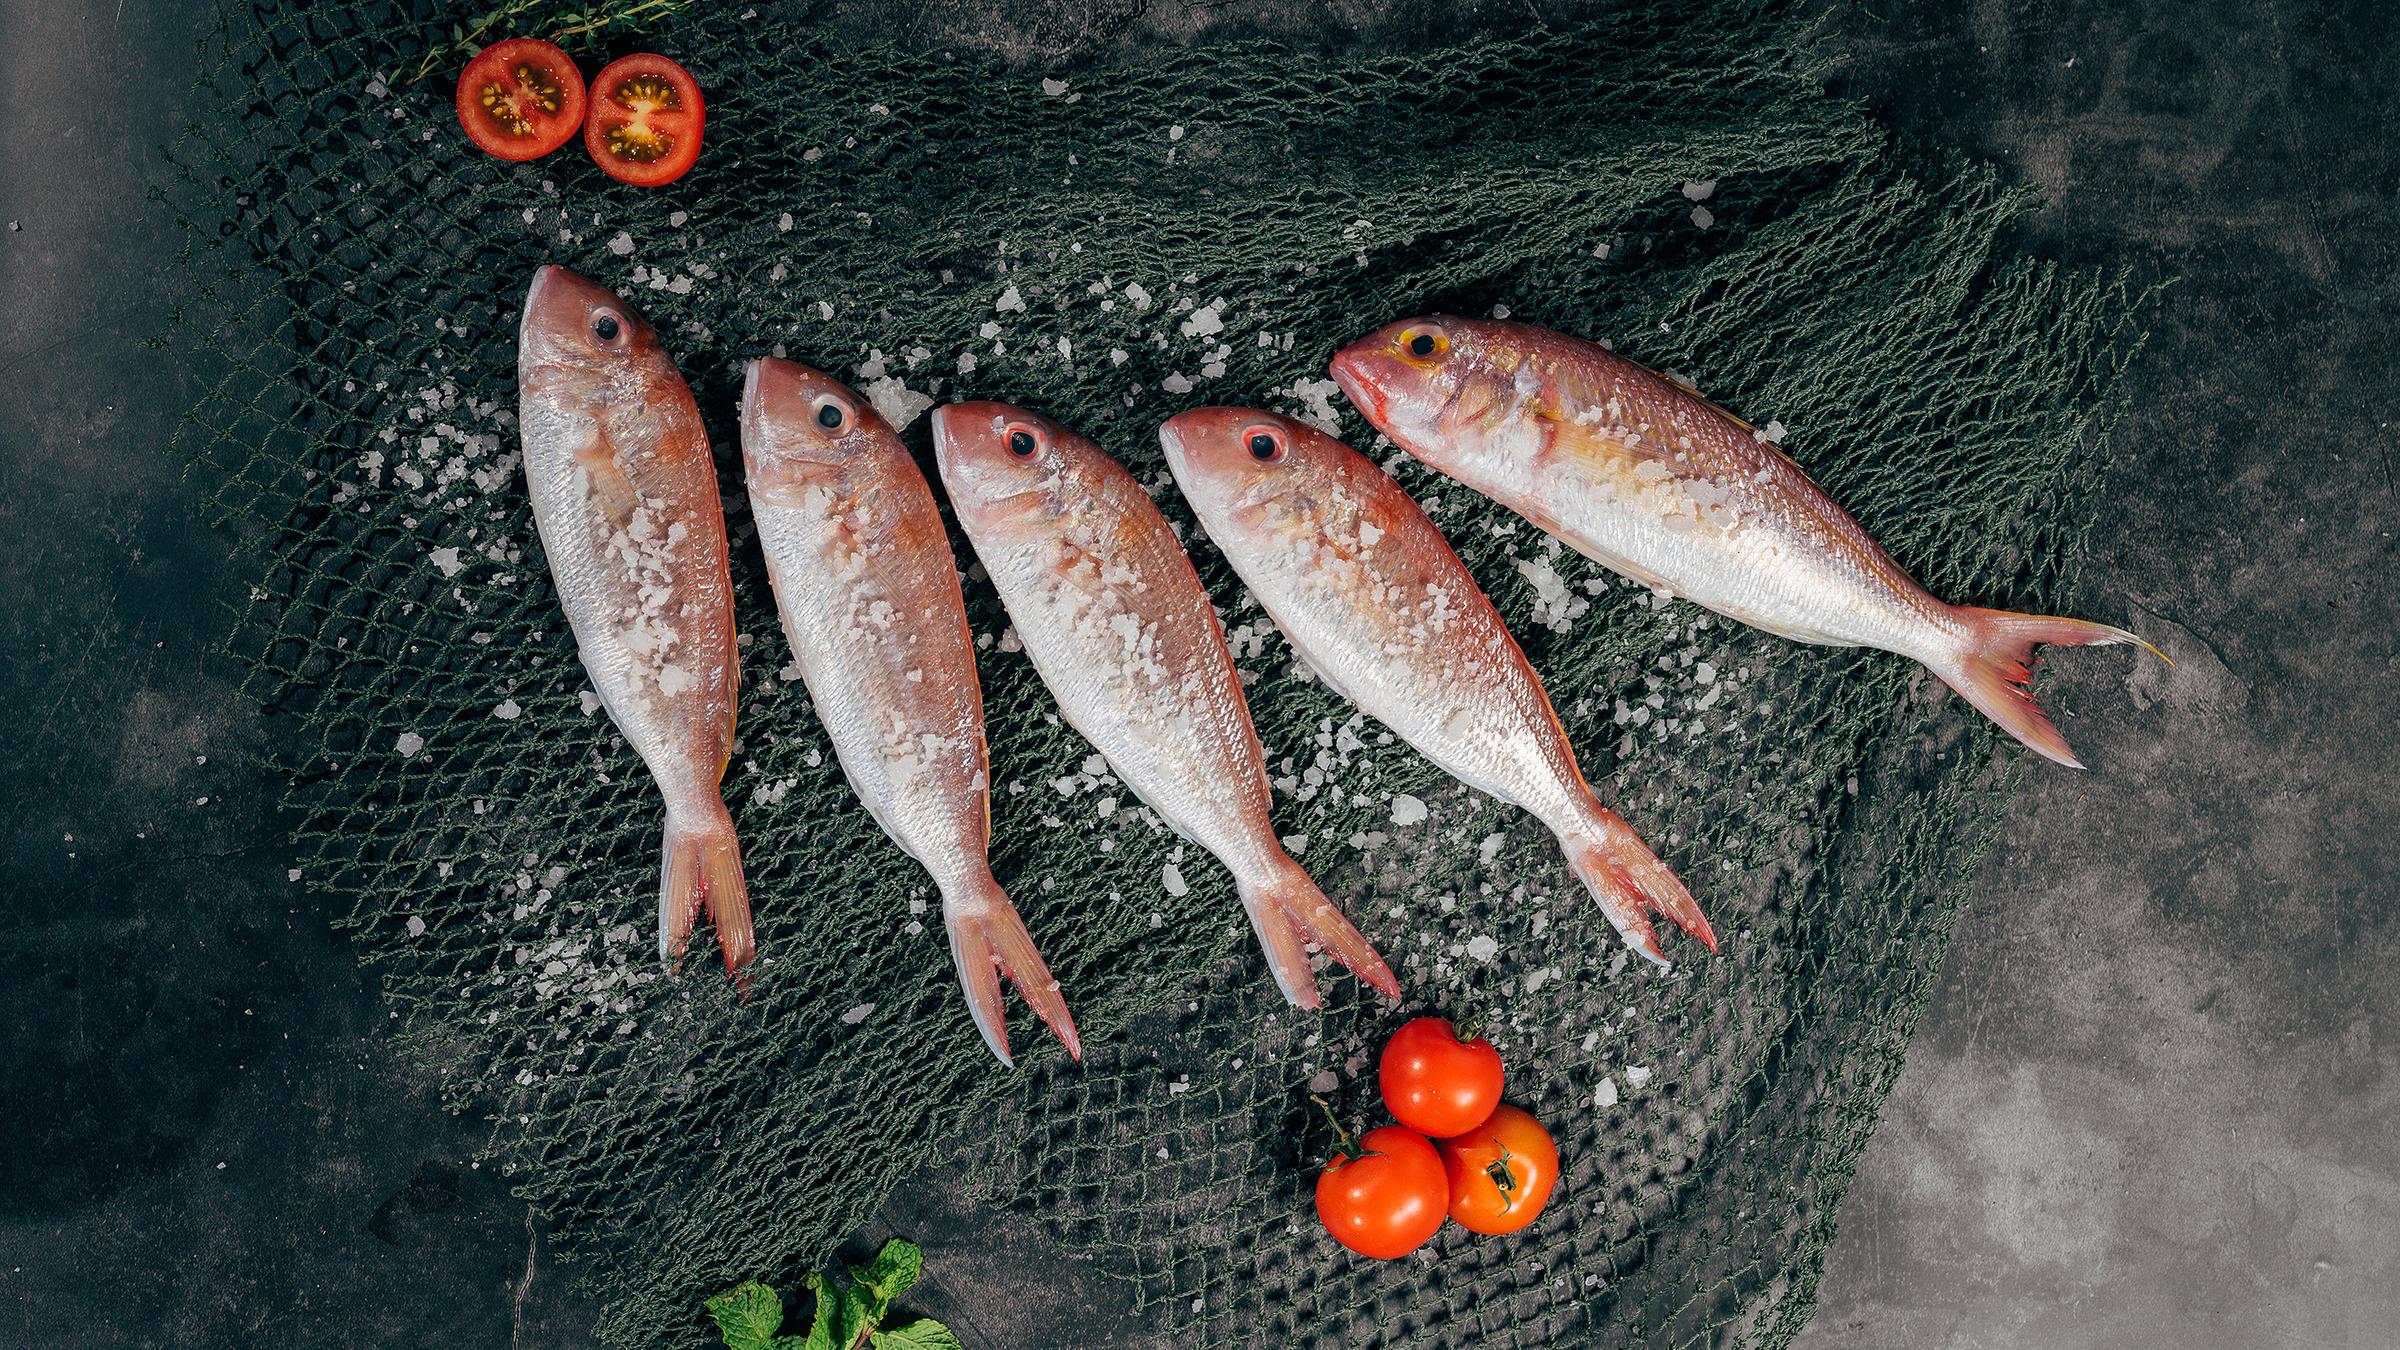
[610, 488]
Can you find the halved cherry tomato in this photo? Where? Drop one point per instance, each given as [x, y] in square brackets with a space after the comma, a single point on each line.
[1436, 1084]
[644, 127]
[1387, 1199]
[1501, 1172]
[520, 99]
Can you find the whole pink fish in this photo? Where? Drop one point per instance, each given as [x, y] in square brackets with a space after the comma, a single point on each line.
[625, 495]
[1118, 625]
[1367, 589]
[1650, 480]
[868, 590]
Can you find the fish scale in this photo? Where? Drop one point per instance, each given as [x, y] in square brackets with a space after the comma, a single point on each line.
[1366, 589]
[867, 589]
[624, 494]
[1119, 627]
[1643, 476]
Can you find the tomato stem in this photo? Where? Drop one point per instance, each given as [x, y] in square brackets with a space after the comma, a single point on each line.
[1349, 1146]
[1503, 1176]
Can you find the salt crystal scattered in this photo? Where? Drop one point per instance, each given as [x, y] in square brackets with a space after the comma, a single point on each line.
[446, 561]
[1699, 192]
[1175, 133]
[1010, 300]
[1638, 1075]
[620, 244]
[416, 926]
[1483, 946]
[1408, 810]
[1606, 1095]
[858, 1014]
[1172, 877]
[508, 710]
[408, 743]
[899, 404]
[1054, 87]
[1703, 217]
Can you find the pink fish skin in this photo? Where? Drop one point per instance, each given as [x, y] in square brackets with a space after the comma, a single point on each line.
[868, 592]
[1120, 628]
[1652, 481]
[625, 496]
[1365, 587]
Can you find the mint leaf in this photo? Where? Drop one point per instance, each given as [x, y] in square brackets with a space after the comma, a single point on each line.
[889, 1275]
[747, 1316]
[827, 1322]
[922, 1334]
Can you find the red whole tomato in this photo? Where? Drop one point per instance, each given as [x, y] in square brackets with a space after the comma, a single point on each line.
[1435, 1083]
[644, 127]
[1387, 1199]
[520, 99]
[1501, 1172]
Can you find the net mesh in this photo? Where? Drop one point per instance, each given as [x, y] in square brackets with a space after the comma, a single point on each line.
[1203, 226]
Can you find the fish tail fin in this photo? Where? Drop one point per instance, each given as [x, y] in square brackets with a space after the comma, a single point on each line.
[1993, 670]
[988, 940]
[704, 870]
[1288, 911]
[1631, 883]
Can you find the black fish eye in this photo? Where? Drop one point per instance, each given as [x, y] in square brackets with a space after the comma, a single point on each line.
[1020, 444]
[1421, 344]
[1262, 446]
[605, 328]
[830, 416]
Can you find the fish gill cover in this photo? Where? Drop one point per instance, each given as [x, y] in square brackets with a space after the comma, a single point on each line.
[1110, 248]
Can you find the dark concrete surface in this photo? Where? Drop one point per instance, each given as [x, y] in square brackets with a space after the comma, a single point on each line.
[2152, 1105]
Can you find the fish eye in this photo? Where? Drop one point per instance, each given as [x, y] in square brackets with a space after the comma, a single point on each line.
[1023, 443]
[605, 327]
[829, 415]
[1424, 345]
[1265, 445]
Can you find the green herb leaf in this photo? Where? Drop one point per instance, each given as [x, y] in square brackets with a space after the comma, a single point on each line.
[747, 1316]
[891, 1271]
[922, 1334]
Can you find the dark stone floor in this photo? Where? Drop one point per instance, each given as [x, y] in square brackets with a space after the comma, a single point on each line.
[2152, 1104]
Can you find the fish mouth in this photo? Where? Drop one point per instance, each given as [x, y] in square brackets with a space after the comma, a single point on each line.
[1348, 368]
[749, 406]
[1170, 441]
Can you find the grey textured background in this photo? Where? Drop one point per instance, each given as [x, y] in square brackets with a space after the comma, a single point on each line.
[2153, 1104]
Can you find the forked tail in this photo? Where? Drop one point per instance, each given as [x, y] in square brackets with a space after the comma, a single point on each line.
[1288, 912]
[704, 867]
[1994, 670]
[1631, 884]
[988, 940]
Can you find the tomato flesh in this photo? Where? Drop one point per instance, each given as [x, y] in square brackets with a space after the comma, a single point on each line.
[1435, 1083]
[645, 120]
[1501, 1172]
[520, 99]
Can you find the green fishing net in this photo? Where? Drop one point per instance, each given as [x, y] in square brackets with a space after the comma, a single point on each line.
[1110, 245]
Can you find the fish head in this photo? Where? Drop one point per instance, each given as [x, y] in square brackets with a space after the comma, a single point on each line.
[1448, 390]
[580, 341]
[801, 426]
[1247, 469]
[1008, 471]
